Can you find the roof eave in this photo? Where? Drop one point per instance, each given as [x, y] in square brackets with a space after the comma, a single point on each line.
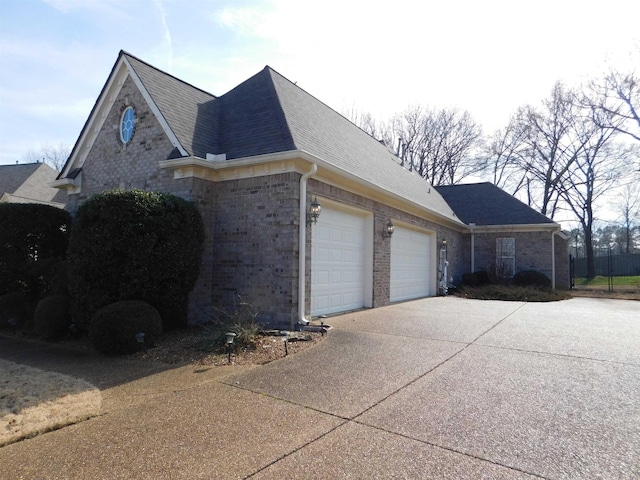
[197, 166]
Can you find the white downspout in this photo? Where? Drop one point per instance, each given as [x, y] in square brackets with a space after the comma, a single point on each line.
[553, 260]
[473, 247]
[302, 248]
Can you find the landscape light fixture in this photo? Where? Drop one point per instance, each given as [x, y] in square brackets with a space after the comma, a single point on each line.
[389, 229]
[314, 212]
[229, 342]
[140, 339]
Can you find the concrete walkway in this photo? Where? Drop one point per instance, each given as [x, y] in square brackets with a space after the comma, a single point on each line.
[435, 388]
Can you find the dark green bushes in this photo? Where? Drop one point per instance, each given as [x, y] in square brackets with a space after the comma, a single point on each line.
[15, 310]
[33, 245]
[134, 245]
[476, 279]
[52, 318]
[527, 286]
[531, 278]
[125, 327]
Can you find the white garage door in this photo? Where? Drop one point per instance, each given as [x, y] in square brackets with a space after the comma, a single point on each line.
[337, 262]
[411, 266]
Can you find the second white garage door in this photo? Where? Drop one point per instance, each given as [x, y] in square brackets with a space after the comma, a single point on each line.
[338, 262]
[411, 265]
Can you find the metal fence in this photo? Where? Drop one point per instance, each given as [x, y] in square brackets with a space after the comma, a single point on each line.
[621, 270]
[610, 265]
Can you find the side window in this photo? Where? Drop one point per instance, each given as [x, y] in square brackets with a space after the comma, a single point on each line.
[505, 257]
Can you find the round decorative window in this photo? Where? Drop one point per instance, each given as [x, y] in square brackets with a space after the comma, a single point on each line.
[127, 125]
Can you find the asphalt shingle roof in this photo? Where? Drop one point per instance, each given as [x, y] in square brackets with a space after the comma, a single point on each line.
[486, 204]
[189, 111]
[30, 182]
[269, 114]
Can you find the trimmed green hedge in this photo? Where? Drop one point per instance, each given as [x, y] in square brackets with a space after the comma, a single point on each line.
[531, 278]
[51, 318]
[134, 245]
[125, 327]
[33, 245]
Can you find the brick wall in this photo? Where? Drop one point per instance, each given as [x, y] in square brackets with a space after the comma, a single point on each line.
[382, 247]
[111, 164]
[255, 245]
[533, 252]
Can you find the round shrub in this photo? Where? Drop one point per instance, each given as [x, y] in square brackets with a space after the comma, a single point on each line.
[15, 310]
[531, 278]
[125, 327]
[476, 279]
[33, 239]
[52, 318]
[134, 245]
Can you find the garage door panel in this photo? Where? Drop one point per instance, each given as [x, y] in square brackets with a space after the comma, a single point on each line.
[337, 253]
[411, 266]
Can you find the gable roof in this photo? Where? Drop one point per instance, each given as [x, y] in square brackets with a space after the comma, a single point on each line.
[486, 204]
[266, 114]
[188, 110]
[29, 183]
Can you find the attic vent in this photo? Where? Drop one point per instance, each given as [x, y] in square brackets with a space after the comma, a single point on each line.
[220, 157]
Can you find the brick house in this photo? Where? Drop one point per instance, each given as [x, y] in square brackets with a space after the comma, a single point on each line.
[505, 235]
[255, 161]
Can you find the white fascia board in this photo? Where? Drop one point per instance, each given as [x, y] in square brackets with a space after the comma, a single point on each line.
[97, 118]
[189, 166]
[154, 108]
[516, 228]
[101, 110]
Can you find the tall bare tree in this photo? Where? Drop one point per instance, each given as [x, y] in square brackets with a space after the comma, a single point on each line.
[599, 165]
[441, 145]
[506, 151]
[617, 99]
[628, 206]
[55, 156]
[551, 147]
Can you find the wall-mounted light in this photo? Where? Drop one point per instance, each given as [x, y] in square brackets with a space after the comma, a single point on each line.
[389, 229]
[314, 212]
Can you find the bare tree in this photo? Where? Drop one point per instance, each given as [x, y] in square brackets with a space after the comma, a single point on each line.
[441, 145]
[617, 100]
[598, 165]
[506, 151]
[55, 156]
[628, 206]
[379, 130]
[551, 147]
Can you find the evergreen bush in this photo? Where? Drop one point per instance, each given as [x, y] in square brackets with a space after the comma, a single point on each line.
[531, 278]
[15, 310]
[125, 327]
[52, 318]
[475, 279]
[134, 245]
[33, 245]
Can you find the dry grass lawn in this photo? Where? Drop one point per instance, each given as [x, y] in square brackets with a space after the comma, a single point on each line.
[33, 401]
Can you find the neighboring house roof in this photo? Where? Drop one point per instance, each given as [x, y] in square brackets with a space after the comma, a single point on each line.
[29, 183]
[486, 204]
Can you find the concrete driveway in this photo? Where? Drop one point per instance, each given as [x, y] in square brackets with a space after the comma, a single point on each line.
[436, 388]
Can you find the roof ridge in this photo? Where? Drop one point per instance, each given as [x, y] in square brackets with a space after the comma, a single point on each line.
[295, 84]
[159, 70]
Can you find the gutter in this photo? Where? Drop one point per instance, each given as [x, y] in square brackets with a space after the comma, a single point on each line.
[302, 248]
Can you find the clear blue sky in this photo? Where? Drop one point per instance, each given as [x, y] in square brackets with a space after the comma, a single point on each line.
[488, 57]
